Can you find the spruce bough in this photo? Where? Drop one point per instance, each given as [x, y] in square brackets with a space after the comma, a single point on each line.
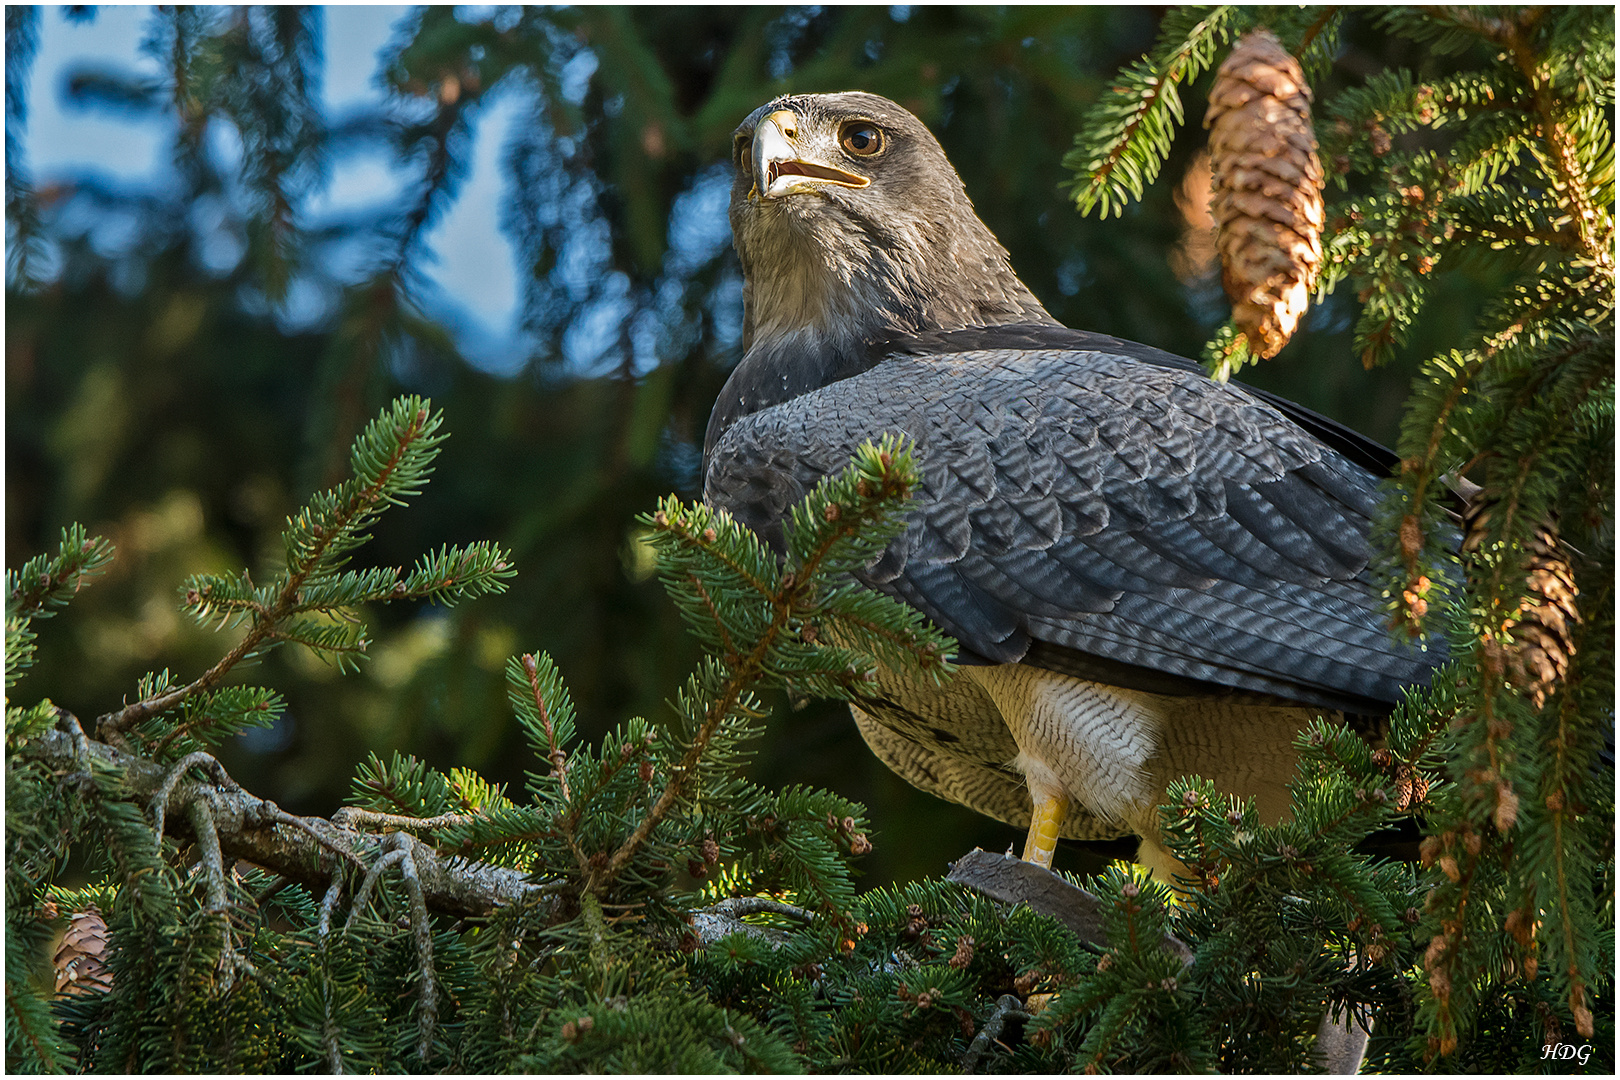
[1496, 157]
[644, 907]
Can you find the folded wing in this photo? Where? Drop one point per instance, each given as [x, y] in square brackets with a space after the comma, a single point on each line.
[1103, 515]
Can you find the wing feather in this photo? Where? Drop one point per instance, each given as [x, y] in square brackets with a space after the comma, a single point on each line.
[1131, 511]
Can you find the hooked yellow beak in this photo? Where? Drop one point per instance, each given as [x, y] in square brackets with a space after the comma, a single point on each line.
[780, 170]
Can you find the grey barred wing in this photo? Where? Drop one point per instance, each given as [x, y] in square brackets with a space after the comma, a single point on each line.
[1125, 522]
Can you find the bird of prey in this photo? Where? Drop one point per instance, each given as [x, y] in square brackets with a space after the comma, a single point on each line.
[1149, 573]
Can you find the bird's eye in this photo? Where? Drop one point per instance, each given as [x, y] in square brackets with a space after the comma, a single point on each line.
[739, 148]
[861, 138]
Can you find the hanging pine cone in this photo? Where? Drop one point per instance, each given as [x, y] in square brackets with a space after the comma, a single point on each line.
[1541, 631]
[81, 957]
[1267, 200]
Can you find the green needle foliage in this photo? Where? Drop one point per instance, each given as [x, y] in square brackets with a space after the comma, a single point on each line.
[44, 585]
[644, 907]
[1127, 133]
[1495, 156]
[614, 846]
[310, 600]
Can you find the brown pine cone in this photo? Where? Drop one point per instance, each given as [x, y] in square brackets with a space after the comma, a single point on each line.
[1542, 629]
[1267, 201]
[81, 957]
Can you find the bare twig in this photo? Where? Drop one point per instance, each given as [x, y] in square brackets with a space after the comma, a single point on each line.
[1007, 1008]
[213, 866]
[302, 849]
[422, 931]
[740, 907]
[160, 801]
[352, 817]
[396, 853]
[276, 814]
[329, 903]
[213, 863]
[329, 1030]
[726, 918]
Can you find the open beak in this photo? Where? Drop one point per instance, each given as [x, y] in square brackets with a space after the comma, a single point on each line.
[780, 170]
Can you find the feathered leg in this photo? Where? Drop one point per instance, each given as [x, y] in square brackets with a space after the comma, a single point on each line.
[1075, 740]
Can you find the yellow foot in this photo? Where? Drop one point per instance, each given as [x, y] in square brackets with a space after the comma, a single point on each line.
[1044, 826]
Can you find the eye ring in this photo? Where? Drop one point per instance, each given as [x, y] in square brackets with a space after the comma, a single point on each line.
[739, 147]
[861, 138]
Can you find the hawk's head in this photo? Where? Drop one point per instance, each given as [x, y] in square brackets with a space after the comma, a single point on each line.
[851, 223]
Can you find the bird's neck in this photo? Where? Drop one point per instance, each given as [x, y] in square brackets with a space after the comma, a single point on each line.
[869, 280]
[814, 310]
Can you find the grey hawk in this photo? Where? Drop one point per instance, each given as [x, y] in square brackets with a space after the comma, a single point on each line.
[1149, 573]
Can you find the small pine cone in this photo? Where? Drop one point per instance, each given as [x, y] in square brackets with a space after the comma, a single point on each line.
[81, 957]
[1411, 788]
[1267, 200]
[1544, 636]
[1542, 631]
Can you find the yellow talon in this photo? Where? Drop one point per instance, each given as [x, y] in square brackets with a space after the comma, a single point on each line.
[1044, 826]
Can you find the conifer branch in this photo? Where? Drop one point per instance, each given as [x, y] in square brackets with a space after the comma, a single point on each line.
[390, 459]
[1127, 132]
[221, 713]
[572, 969]
[267, 623]
[841, 512]
[43, 585]
[554, 751]
[1322, 21]
[252, 829]
[1572, 191]
[46, 582]
[743, 676]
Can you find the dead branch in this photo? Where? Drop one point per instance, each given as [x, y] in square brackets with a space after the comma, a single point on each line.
[308, 850]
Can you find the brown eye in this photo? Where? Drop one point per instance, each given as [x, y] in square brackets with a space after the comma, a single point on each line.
[739, 148]
[862, 138]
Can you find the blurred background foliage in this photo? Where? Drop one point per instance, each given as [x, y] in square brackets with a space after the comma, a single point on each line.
[159, 391]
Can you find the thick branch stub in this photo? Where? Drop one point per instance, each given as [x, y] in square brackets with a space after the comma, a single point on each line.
[1010, 880]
